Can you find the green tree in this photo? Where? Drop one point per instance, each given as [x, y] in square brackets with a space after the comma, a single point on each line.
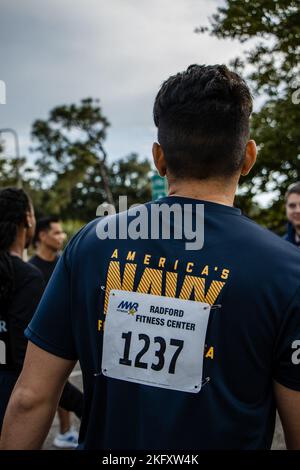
[71, 146]
[275, 24]
[13, 169]
[273, 70]
[128, 176]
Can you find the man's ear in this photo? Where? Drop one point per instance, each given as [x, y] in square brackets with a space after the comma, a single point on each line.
[159, 159]
[42, 235]
[250, 157]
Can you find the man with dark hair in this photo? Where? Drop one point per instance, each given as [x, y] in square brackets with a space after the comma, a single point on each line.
[200, 343]
[203, 114]
[292, 206]
[48, 240]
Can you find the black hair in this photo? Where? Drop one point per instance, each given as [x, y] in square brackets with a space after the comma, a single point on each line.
[293, 189]
[14, 203]
[43, 225]
[202, 115]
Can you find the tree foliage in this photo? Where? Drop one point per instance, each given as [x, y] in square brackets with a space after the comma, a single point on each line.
[272, 30]
[275, 25]
[71, 147]
[71, 176]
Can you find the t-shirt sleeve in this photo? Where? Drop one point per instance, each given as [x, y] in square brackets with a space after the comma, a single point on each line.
[287, 350]
[51, 327]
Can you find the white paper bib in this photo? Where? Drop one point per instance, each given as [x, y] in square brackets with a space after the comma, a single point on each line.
[154, 340]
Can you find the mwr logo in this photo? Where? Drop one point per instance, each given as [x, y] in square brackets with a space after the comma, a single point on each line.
[128, 307]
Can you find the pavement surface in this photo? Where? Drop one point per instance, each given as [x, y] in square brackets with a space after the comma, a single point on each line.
[75, 379]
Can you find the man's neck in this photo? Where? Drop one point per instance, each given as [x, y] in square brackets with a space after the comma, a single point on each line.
[46, 253]
[212, 191]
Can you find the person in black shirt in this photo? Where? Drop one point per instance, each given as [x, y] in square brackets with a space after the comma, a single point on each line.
[21, 286]
[48, 241]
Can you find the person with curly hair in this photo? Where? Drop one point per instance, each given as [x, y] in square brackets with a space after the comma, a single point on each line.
[21, 286]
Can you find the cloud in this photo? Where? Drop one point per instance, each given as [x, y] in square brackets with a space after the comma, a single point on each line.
[55, 52]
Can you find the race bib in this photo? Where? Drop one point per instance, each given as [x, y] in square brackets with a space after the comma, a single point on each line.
[154, 340]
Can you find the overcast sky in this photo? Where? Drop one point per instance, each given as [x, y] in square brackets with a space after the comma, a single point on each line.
[58, 51]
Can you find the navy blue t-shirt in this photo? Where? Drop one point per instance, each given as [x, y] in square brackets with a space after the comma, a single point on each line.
[251, 273]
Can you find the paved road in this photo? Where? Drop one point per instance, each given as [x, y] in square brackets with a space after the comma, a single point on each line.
[77, 381]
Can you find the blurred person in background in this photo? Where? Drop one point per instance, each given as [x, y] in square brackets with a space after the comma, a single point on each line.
[21, 286]
[48, 241]
[292, 205]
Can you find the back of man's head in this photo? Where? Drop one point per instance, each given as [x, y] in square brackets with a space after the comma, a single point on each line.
[202, 115]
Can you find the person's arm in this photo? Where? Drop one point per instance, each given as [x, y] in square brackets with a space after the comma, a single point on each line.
[288, 405]
[34, 400]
